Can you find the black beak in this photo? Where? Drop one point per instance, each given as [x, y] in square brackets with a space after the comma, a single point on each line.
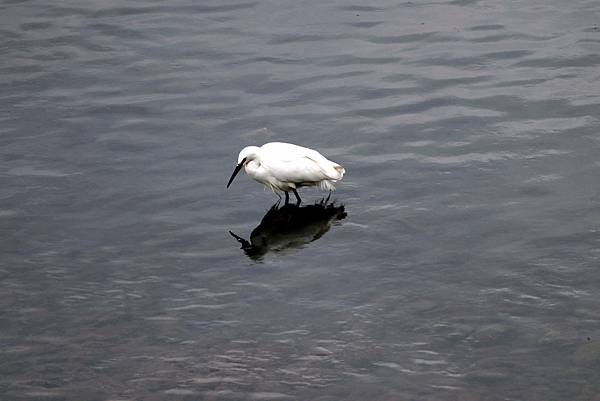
[237, 170]
[245, 244]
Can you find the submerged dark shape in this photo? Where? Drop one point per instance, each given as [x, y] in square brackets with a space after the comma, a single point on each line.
[290, 226]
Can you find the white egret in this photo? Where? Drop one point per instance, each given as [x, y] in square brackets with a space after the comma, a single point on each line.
[285, 167]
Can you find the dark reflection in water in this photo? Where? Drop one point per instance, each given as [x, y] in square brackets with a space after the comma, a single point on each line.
[290, 227]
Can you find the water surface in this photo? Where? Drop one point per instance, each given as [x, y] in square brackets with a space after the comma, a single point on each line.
[465, 266]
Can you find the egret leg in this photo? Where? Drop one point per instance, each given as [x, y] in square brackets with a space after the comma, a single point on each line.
[287, 198]
[297, 197]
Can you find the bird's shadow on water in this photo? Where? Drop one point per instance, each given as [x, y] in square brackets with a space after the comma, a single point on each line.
[290, 227]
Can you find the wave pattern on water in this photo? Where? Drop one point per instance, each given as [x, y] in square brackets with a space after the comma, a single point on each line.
[466, 268]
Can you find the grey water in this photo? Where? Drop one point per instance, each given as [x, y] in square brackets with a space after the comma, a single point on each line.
[462, 261]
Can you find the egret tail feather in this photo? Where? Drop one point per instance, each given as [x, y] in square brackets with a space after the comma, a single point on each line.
[327, 185]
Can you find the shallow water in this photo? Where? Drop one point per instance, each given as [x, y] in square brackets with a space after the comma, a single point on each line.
[465, 266]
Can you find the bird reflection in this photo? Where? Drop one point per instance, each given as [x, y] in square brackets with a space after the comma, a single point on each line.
[290, 227]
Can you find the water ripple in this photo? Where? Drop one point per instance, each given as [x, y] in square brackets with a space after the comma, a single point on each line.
[467, 268]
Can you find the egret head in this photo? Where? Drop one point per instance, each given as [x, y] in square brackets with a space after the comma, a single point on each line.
[247, 154]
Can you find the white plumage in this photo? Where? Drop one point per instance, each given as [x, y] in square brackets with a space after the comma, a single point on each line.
[285, 167]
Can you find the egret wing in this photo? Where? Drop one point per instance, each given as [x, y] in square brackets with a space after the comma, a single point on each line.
[299, 170]
[303, 164]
